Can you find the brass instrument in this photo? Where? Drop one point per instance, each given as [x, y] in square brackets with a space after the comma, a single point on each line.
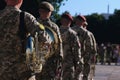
[38, 52]
[32, 54]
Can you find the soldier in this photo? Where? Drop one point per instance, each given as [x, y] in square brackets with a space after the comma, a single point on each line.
[71, 49]
[52, 66]
[93, 54]
[108, 53]
[101, 53]
[12, 57]
[86, 44]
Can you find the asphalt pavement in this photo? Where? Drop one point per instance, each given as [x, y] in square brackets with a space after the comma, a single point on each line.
[107, 72]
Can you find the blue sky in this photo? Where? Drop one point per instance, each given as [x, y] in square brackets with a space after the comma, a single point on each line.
[87, 7]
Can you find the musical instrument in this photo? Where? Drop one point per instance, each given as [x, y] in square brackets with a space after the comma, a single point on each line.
[38, 52]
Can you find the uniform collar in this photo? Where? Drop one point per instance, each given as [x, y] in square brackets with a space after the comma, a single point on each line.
[12, 8]
[46, 20]
[65, 27]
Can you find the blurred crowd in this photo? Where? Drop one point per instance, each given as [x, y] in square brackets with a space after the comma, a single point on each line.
[108, 53]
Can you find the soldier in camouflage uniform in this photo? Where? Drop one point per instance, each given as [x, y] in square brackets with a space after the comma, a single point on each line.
[86, 44]
[93, 54]
[71, 49]
[52, 67]
[12, 60]
[108, 53]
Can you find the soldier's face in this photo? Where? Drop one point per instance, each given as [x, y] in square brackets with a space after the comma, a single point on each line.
[44, 14]
[65, 22]
[78, 22]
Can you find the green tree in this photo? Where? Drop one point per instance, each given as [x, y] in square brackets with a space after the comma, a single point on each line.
[114, 26]
[32, 7]
[97, 25]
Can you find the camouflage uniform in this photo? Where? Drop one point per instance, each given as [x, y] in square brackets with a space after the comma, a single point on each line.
[49, 71]
[72, 54]
[86, 45]
[92, 56]
[12, 60]
[101, 53]
[108, 53]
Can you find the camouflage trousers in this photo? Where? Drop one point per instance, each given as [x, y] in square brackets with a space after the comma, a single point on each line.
[68, 73]
[71, 72]
[49, 70]
[86, 67]
[92, 71]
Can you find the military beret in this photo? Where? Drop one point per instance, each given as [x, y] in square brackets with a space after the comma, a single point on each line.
[80, 17]
[46, 5]
[68, 16]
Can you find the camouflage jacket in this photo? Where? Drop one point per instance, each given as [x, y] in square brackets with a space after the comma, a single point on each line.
[85, 40]
[94, 44]
[51, 64]
[94, 48]
[10, 43]
[71, 46]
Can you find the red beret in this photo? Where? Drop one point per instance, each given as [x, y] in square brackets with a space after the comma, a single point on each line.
[80, 17]
[68, 16]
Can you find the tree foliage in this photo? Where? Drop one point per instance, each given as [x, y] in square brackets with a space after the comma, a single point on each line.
[32, 7]
[96, 24]
[114, 26]
[103, 29]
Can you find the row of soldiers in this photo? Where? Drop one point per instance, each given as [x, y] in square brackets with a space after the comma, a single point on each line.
[80, 42]
[72, 54]
[108, 53]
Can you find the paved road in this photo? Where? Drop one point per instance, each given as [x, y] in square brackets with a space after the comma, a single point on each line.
[107, 72]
